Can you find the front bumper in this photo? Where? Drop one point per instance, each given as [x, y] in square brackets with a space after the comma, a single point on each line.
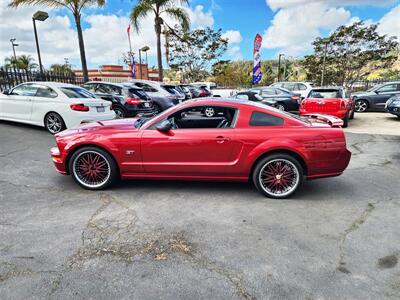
[393, 110]
[58, 160]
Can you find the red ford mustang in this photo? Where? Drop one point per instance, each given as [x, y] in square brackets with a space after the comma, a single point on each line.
[246, 140]
[329, 100]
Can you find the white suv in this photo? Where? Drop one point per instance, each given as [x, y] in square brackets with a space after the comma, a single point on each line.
[298, 87]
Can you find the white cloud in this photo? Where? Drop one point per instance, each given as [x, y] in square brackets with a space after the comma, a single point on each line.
[105, 36]
[234, 39]
[233, 36]
[277, 4]
[294, 27]
[199, 18]
[390, 23]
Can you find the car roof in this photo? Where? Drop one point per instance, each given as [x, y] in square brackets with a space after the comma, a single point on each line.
[328, 88]
[229, 102]
[51, 83]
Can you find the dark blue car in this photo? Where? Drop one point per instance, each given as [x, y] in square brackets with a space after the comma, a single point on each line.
[393, 105]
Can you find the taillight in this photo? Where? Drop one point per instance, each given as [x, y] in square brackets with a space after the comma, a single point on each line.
[133, 101]
[79, 107]
[295, 98]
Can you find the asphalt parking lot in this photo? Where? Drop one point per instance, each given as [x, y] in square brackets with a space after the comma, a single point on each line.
[337, 238]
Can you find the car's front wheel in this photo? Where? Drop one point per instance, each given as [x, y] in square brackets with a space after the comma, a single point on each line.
[54, 123]
[93, 168]
[361, 105]
[278, 176]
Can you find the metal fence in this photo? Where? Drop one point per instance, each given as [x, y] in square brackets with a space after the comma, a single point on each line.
[363, 85]
[9, 77]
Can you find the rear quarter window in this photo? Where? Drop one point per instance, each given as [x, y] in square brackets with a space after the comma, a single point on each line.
[263, 119]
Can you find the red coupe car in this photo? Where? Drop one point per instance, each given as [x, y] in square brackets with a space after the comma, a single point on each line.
[246, 140]
[330, 101]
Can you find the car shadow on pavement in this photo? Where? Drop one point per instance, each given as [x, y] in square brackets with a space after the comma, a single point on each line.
[22, 126]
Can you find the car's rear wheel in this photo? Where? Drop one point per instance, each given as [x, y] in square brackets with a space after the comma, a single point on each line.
[54, 123]
[281, 106]
[352, 114]
[361, 105]
[93, 168]
[156, 109]
[278, 176]
[209, 112]
[346, 120]
[119, 112]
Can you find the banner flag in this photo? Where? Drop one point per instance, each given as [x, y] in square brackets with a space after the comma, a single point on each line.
[257, 74]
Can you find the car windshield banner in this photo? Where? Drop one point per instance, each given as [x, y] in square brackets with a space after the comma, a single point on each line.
[257, 75]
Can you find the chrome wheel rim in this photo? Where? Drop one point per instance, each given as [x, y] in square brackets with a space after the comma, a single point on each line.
[119, 114]
[281, 107]
[53, 123]
[360, 106]
[209, 111]
[91, 169]
[279, 177]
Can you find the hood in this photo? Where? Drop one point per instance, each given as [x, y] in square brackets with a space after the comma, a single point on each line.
[89, 127]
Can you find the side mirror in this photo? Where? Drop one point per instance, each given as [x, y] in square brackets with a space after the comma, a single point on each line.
[6, 92]
[164, 126]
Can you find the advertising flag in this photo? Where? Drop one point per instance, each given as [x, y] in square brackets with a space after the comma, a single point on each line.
[257, 75]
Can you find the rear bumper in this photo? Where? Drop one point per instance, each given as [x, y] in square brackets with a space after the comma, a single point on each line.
[332, 168]
[338, 114]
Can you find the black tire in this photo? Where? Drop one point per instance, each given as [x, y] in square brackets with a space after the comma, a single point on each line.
[352, 114]
[281, 106]
[119, 112]
[156, 109]
[346, 120]
[361, 105]
[54, 123]
[294, 178]
[79, 163]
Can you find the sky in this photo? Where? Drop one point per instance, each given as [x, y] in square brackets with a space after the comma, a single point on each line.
[287, 26]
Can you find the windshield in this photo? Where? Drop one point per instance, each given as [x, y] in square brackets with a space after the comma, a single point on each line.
[171, 89]
[77, 92]
[141, 121]
[324, 94]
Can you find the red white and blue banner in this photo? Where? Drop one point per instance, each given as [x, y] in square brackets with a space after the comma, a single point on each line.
[257, 74]
[133, 74]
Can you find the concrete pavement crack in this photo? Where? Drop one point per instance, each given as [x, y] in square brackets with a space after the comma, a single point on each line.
[353, 227]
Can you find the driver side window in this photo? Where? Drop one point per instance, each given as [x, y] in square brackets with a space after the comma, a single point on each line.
[199, 118]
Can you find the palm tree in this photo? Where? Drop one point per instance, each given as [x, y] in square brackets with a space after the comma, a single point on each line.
[75, 6]
[160, 8]
[24, 62]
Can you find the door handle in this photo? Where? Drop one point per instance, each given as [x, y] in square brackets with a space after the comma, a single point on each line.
[221, 139]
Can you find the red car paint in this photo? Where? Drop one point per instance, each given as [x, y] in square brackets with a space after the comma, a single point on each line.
[330, 106]
[208, 154]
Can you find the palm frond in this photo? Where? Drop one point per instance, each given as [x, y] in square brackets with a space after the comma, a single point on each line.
[140, 11]
[50, 3]
[180, 15]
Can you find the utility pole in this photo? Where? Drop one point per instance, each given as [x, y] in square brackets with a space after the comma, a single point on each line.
[323, 63]
[279, 66]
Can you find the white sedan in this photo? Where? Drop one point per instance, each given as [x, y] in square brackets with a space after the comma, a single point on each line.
[56, 106]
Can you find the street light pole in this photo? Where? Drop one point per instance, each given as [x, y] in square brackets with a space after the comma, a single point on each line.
[140, 64]
[13, 46]
[40, 16]
[143, 49]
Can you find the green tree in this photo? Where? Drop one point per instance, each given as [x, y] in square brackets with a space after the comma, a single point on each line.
[62, 69]
[351, 52]
[24, 62]
[159, 8]
[195, 51]
[75, 7]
